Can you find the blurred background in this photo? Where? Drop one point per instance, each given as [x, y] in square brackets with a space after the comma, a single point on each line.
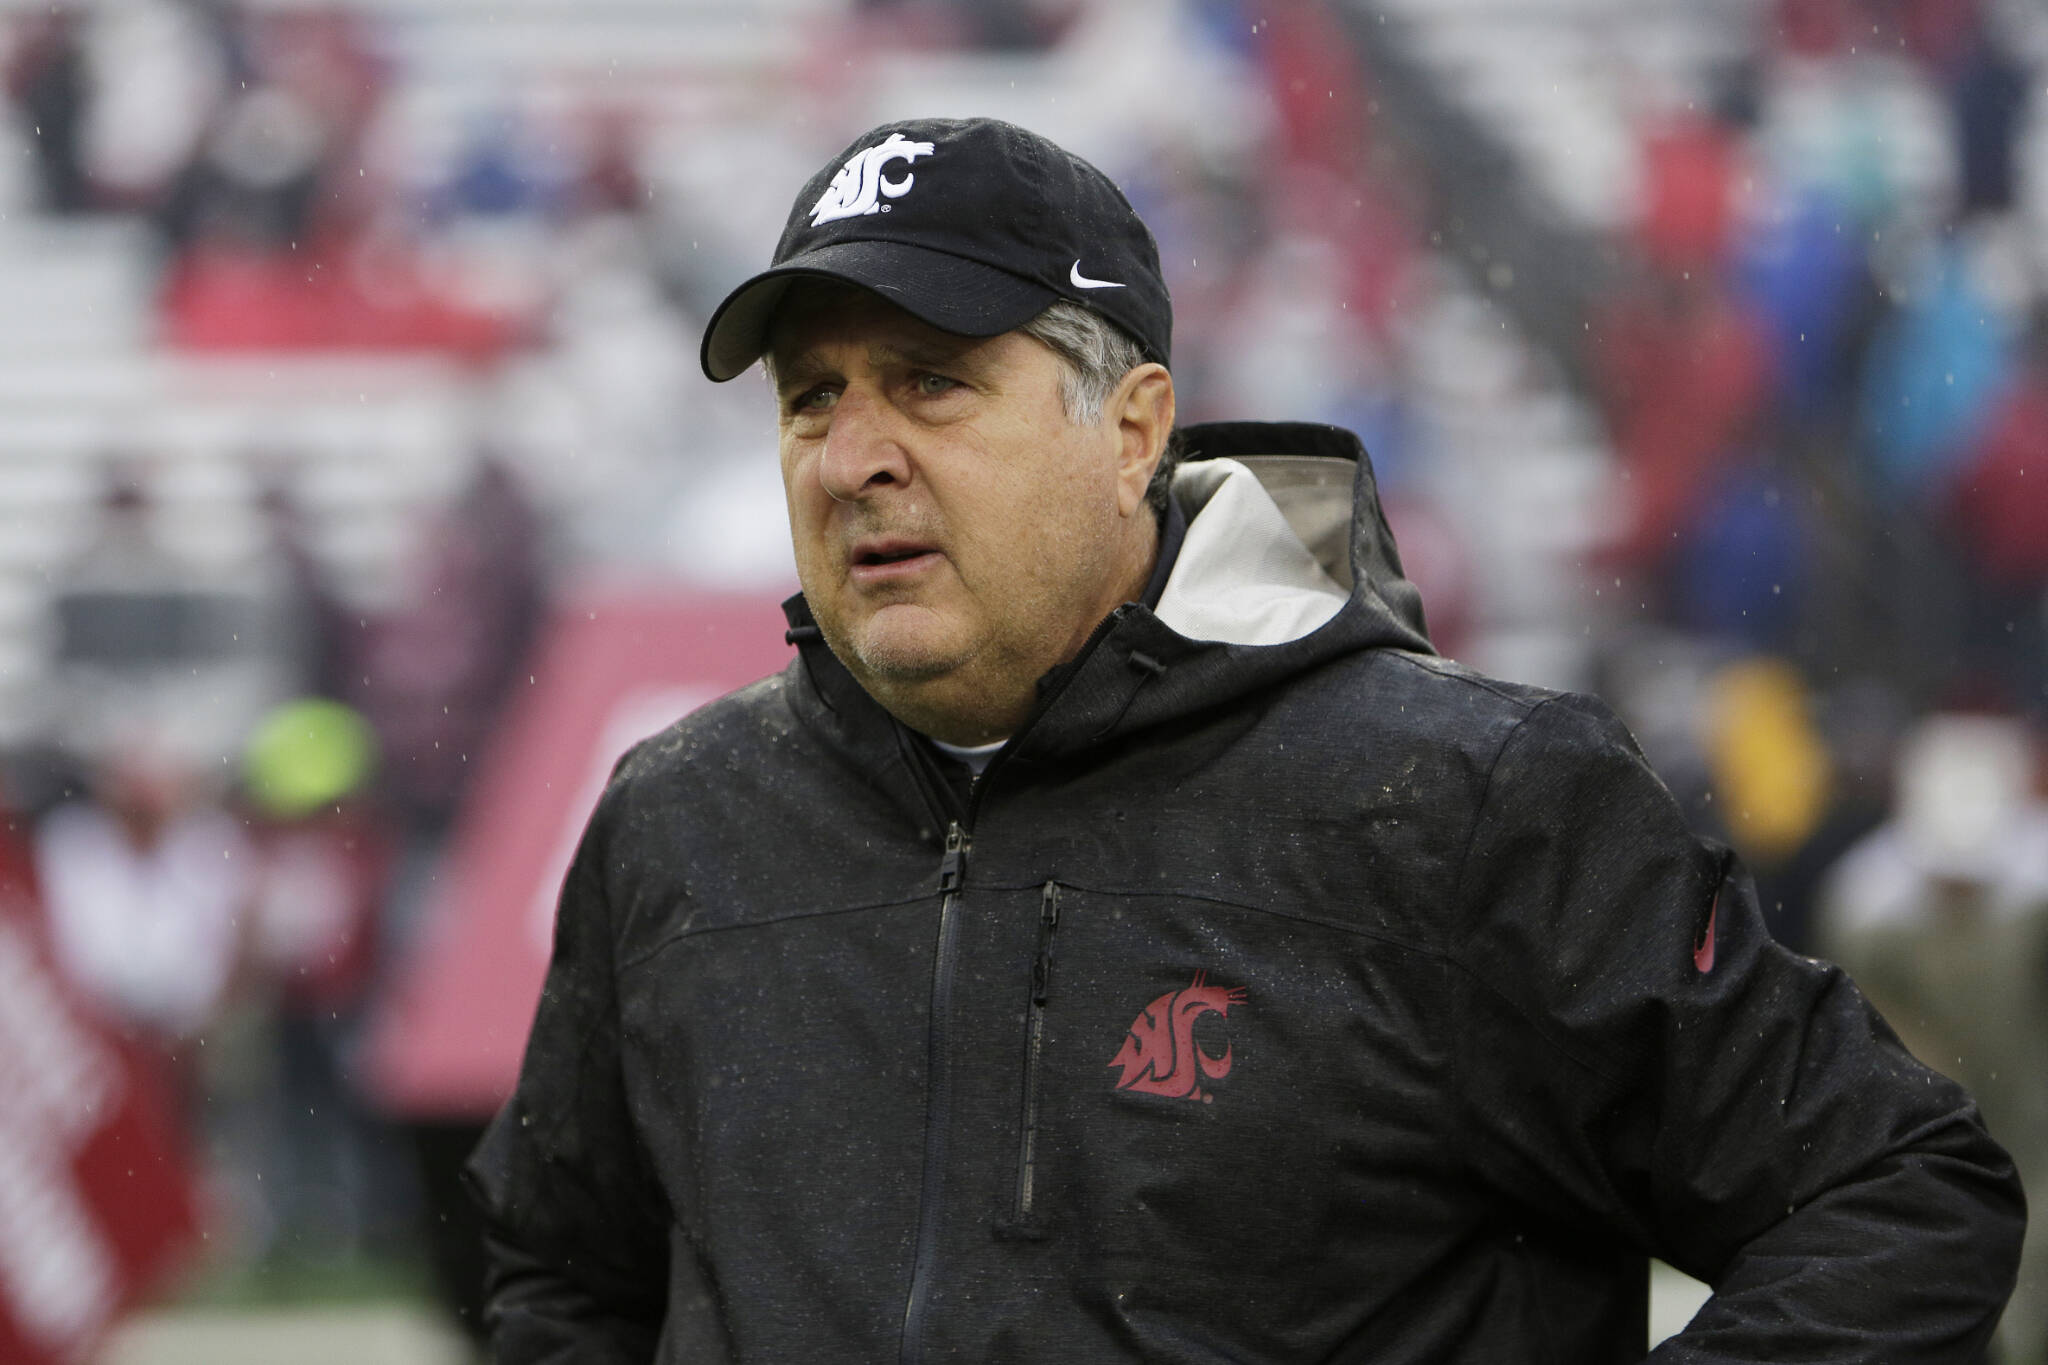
[360, 500]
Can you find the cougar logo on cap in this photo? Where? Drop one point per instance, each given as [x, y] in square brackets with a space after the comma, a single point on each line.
[855, 189]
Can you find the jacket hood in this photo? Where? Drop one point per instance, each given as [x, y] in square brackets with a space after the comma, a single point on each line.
[1288, 564]
[1306, 525]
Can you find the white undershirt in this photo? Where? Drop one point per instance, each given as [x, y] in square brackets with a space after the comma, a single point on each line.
[974, 756]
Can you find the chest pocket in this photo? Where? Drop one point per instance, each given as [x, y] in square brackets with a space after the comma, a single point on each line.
[1207, 1082]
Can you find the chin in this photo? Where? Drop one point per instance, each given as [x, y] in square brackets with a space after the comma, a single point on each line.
[905, 661]
[898, 651]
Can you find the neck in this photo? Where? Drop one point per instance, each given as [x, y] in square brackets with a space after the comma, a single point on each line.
[990, 712]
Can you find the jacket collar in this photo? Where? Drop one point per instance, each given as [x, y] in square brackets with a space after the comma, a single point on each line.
[1137, 670]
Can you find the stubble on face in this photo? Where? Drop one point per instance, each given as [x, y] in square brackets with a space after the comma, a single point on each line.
[893, 634]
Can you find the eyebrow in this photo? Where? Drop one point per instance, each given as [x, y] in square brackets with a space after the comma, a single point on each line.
[927, 354]
[805, 366]
[797, 372]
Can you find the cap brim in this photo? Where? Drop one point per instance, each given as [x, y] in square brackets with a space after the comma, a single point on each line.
[950, 292]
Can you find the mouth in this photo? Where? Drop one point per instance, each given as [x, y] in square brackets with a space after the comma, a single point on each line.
[882, 559]
[873, 557]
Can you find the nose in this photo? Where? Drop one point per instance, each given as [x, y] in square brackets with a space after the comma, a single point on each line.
[862, 451]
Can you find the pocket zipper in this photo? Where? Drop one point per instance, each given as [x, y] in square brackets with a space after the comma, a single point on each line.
[1034, 1039]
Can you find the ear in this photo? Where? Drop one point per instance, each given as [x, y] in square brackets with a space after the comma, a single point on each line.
[1143, 408]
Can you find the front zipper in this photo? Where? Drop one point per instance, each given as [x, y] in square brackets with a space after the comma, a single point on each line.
[1034, 1040]
[938, 1089]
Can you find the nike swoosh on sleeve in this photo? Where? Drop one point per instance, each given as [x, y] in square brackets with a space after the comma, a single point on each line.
[1081, 281]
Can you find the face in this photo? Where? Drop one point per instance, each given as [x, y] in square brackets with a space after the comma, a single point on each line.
[955, 534]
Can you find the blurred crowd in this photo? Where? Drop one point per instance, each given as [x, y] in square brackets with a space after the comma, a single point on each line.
[1825, 380]
[1819, 367]
[232, 914]
[1821, 374]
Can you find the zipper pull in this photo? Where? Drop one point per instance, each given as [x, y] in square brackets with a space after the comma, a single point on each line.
[953, 867]
[1048, 925]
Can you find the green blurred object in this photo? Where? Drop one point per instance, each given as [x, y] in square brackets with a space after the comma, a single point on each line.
[307, 754]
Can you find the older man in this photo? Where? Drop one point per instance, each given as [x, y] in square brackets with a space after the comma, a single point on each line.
[1117, 936]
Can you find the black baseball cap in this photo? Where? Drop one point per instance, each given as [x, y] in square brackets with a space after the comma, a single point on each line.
[972, 225]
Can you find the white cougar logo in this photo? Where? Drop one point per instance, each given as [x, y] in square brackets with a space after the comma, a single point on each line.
[852, 191]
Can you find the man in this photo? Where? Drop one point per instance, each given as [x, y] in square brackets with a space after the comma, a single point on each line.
[1117, 936]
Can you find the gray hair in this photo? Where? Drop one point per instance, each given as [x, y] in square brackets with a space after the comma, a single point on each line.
[1095, 354]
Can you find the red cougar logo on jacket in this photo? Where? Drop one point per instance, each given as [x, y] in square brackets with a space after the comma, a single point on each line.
[1159, 1055]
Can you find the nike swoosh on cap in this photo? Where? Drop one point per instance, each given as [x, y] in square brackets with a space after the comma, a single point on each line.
[1083, 282]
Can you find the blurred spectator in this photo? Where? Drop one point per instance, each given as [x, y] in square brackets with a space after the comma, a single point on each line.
[498, 173]
[1742, 563]
[1692, 168]
[1942, 917]
[322, 855]
[1770, 771]
[434, 674]
[1805, 274]
[253, 185]
[147, 884]
[1996, 512]
[1940, 33]
[156, 72]
[998, 25]
[1933, 370]
[608, 180]
[99, 1205]
[48, 80]
[306, 770]
[1989, 95]
[1682, 369]
[1999, 502]
[436, 670]
[278, 240]
[1859, 722]
[1813, 28]
[1866, 129]
[150, 638]
[1297, 348]
[1316, 88]
[325, 638]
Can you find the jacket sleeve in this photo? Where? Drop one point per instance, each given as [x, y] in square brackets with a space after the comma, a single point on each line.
[1637, 1057]
[577, 1226]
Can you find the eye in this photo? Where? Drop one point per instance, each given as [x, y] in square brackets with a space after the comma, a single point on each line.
[818, 398]
[933, 385]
